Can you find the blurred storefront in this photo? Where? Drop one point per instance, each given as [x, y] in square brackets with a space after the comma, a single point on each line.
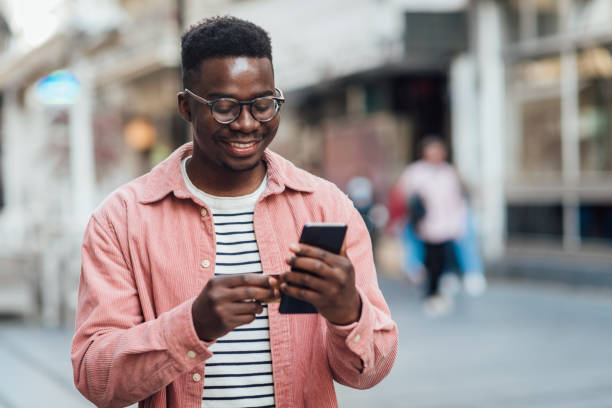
[559, 110]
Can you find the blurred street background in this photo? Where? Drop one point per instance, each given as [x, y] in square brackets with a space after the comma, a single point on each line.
[520, 90]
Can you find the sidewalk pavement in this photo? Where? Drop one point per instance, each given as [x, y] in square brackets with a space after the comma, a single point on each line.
[576, 270]
[35, 367]
[519, 345]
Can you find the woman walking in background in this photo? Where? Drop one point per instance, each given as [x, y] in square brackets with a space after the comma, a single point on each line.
[439, 231]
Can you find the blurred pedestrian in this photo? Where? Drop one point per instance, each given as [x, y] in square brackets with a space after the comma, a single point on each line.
[438, 232]
[176, 264]
[359, 190]
[375, 215]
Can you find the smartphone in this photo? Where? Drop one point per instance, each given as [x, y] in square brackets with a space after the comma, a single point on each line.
[325, 235]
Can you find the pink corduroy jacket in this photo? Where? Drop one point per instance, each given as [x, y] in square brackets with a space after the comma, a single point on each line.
[148, 251]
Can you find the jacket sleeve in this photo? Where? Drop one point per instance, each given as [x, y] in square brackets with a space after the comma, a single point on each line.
[117, 357]
[361, 354]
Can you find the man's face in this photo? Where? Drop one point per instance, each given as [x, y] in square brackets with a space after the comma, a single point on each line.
[239, 145]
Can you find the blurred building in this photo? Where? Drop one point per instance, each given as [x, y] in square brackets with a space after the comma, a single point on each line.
[519, 89]
[559, 134]
[69, 137]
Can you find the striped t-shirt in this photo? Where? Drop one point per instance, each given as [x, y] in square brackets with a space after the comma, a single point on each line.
[239, 374]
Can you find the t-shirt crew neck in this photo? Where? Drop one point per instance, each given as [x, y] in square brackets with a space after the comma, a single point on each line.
[220, 202]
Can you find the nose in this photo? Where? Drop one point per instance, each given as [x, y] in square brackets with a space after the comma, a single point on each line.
[245, 122]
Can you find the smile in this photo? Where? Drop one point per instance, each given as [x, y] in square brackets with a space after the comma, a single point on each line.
[243, 148]
[242, 145]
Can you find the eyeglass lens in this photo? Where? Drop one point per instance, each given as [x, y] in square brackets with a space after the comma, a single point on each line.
[262, 109]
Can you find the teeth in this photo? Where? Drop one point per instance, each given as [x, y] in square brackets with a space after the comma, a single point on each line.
[242, 145]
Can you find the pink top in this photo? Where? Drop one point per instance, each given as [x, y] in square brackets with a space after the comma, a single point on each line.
[439, 187]
[148, 251]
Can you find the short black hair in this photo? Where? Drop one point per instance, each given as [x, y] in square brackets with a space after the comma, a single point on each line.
[219, 37]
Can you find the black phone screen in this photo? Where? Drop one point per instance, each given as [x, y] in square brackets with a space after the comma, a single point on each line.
[327, 236]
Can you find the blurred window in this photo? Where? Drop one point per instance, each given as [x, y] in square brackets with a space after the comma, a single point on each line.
[596, 222]
[541, 133]
[374, 99]
[435, 34]
[539, 72]
[512, 21]
[590, 15]
[537, 106]
[547, 15]
[595, 104]
[530, 19]
[538, 221]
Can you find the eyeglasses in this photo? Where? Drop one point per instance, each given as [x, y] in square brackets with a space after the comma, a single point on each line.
[227, 110]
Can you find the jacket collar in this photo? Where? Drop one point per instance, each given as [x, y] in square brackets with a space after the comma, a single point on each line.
[166, 177]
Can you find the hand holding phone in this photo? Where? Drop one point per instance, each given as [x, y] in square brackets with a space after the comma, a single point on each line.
[327, 236]
[322, 277]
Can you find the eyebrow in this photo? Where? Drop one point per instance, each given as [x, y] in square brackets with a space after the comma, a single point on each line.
[218, 95]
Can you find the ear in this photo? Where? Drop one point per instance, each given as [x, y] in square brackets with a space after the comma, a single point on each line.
[183, 106]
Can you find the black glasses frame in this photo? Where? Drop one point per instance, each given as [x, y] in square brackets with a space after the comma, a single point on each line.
[280, 99]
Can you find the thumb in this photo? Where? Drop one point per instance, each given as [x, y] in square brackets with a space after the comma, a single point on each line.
[343, 249]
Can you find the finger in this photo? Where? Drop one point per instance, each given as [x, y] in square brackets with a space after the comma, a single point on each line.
[313, 266]
[243, 319]
[275, 285]
[306, 280]
[304, 250]
[245, 279]
[301, 293]
[242, 293]
[274, 281]
[245, 308]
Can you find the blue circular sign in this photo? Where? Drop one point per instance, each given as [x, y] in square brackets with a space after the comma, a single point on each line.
[58, 88]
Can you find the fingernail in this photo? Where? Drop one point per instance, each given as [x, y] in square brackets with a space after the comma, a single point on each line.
[294, 247]
[272, 281]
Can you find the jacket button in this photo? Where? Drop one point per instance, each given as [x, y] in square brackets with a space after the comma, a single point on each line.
[206, 263]
[196, 377]
[204, 212]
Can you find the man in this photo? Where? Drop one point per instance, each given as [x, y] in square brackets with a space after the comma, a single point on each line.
[177, 264]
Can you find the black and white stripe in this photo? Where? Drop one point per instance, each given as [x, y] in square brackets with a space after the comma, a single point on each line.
[239, 374]
[236, 247]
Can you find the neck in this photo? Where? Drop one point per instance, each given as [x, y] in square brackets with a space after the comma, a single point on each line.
[224, 182]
